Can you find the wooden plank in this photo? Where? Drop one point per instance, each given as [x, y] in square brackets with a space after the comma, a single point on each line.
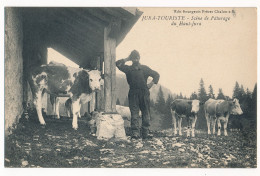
[109, 59]
[93, 102]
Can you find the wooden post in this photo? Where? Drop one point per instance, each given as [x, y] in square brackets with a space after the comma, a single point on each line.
[92, 102]
[110, 71]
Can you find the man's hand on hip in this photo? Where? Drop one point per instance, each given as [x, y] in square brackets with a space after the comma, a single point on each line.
[150, 84]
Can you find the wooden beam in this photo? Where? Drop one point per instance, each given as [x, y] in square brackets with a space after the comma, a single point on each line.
[110, 71]
[131, 10]
[115, 27]
[100, 95]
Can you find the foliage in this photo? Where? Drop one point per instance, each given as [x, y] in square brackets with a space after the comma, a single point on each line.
[194, 96]
[221, 95]
[160, 105]
[202, 95]
[211, 92]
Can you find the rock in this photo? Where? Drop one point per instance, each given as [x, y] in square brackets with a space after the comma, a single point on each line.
[7, 160]
[177, 145]
[119, 160]
[158, 142]
[145, 152]
[122, 145]
[167, 162]
[225, 163]
[139, 145]
[153, 153]
[24, 163]
[200, 155]
[181, 150]
[110, 125]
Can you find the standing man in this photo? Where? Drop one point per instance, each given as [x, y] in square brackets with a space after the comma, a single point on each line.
[139, 95]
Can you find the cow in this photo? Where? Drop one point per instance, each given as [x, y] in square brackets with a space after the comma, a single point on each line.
[182, 108]
[60, 80]
[219, 110]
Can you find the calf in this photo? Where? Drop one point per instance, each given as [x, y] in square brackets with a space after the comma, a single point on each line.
[124, 111]
[185, 108]
[60, 80]
[219, 110]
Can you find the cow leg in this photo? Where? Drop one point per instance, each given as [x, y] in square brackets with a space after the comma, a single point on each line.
[57, 105]
[174, 123]
[219, 127]
[214, 125]
[38, 105]
[79, 110]
[179, 125]
[193, 126]
[208, 123]
[53, 100]
[75, 111]
[189, 126]
[225, 125]
[68, 111]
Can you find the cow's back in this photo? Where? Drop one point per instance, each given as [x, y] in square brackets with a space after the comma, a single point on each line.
[57, 78]
[181, 107]
[216, 107]
[223, 108]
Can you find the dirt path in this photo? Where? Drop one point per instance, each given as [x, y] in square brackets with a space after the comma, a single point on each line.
[58, 145]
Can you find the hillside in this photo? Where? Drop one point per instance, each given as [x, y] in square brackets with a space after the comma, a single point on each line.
[122, 89]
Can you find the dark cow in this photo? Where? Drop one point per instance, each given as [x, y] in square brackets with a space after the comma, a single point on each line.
[184, 108]
[60, 80]
[219, 110]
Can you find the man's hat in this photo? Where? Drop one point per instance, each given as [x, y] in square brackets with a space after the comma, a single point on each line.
[135, 54]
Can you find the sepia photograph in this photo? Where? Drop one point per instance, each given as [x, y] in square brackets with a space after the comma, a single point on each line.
[130, 87]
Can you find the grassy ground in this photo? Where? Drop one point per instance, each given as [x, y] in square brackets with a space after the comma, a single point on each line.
[58, 145]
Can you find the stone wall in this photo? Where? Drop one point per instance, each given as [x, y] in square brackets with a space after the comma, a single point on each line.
[13, 68]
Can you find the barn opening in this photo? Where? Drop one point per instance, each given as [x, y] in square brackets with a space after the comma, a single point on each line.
[87, 36]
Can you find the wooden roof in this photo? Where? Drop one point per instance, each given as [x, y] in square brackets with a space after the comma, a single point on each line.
[78, 32]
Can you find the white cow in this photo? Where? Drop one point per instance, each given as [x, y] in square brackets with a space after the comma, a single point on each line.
[58, 79]
[219, 110]
[185, 108]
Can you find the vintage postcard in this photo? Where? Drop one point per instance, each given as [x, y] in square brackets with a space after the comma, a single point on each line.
[130, 87]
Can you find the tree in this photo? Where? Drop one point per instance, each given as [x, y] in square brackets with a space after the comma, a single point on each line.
[242, 94]
[117, 102]
[169, 100]
[236, 91]
[194, 96]
[253, 108]
[160, 102]
[180, 96]
[220, 94]
[211, 93]
[254, 98]
[202, 92]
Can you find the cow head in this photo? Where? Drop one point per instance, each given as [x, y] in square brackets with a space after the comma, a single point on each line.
[95, 80]
[235, 107]
[195, 106]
